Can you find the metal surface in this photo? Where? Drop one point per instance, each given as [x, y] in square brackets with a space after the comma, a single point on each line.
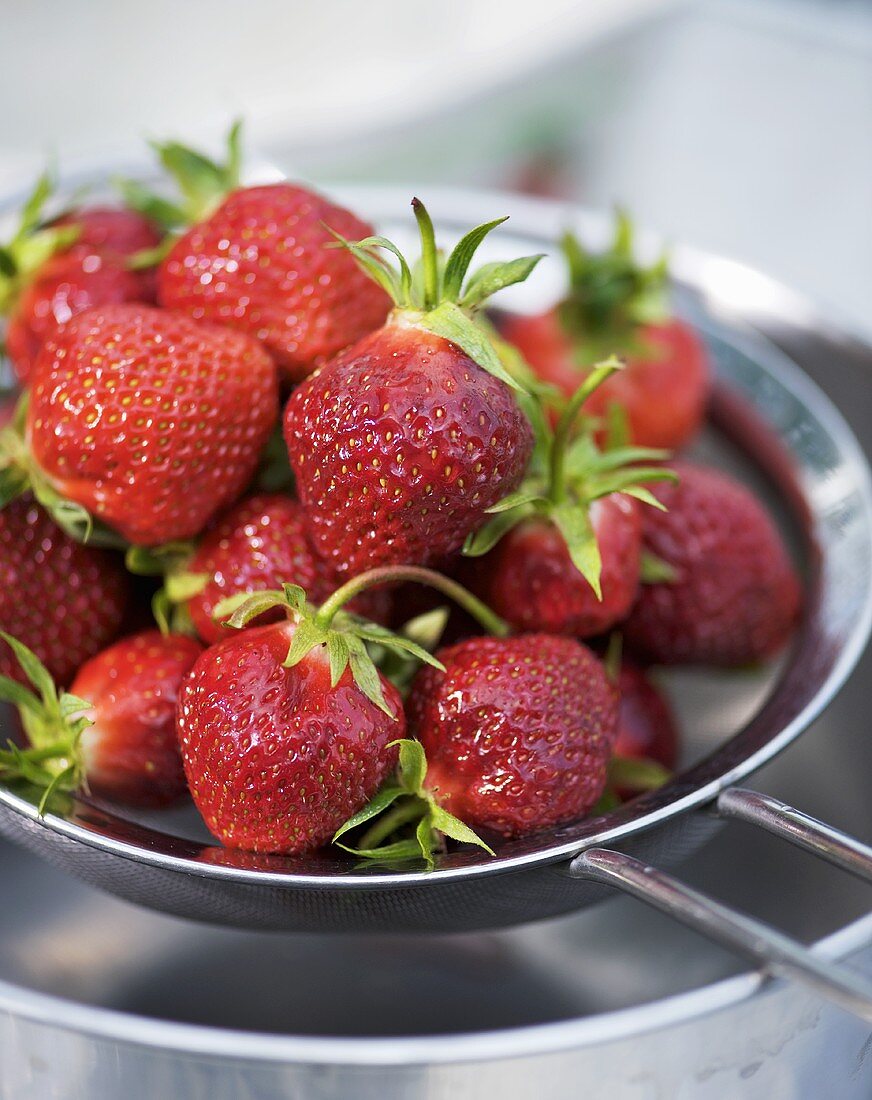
[780, 956]
[814, 464]
[799, 828]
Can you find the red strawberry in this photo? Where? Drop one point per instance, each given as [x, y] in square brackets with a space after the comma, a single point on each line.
[65, 285]
[62, 600]
[261, 542]
[401, 443]
[734, 597]
[131, 751]
[530, 580]
[563, 554]
[615, 306]
[277, 758]
[517, 731]
[646, 726]
[259, 264]
[148, 421]
[49, 273]
[112, 229]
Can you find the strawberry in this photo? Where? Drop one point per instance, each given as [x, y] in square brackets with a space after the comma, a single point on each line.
[299, 736]
[517, 731]
[288, 729]
[400, 443]
[563, 554]
[130, 752]
[733, 596]
[112, 229]
[260, 542]
[145, 420]
[50, 273]
[616, 306]
[62, 600]
[114, 734]
[646, 726]
[254, 259]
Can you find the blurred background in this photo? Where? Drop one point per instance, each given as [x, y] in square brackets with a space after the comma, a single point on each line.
[740, 126]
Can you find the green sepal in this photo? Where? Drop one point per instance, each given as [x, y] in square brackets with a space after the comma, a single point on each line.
[32, 244]
[562, 484]
[449, 321]
[53, 721]
[431, 294]
[406, 803]
[345, 637]
[493, 277]
[637, 774]
[573, 523]
[654, 570]
[610, 294]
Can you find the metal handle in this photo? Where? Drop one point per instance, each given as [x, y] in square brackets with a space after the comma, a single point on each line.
[777, 953]
[800, 829]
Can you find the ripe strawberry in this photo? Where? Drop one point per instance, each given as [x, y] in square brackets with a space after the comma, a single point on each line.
[112, 229]
[114, 734]
[734, 597]
[258, 263]
[49, 273]
[65, 285]
[147, 421]
[615, 306]
[517, 731]
[130, 752]
[646, 726]
[401, 443]
[62, 600]
[563, 554]
[260, 542]
[287, 729]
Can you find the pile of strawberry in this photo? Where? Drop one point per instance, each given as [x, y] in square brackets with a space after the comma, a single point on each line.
[245, 415]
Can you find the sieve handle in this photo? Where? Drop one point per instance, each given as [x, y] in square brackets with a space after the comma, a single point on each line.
[778, 954]
[799, 828]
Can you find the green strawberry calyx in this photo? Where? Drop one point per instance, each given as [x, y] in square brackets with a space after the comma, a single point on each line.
[20, 474]
[169, 561]
[569, 473]
[611, 295]
[345, 636]
[32, 244]
[407, 821]
[202, 184]
[439, 296]
[54, 722]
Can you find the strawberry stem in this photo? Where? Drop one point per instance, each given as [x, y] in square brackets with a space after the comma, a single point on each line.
[391, 574]
[390, 822]
[429, 255]
[557, 479]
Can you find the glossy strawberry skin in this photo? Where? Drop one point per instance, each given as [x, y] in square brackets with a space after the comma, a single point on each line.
[398, 446]
[262, 542]
[66, 285]
[276, 758]
[261, 264]
[517, 731]
[131, 752]
[646, 726]
[112, 229]
[664, 390]
[63, 600]
[150, 421]
[736, 596]
[529, 579]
